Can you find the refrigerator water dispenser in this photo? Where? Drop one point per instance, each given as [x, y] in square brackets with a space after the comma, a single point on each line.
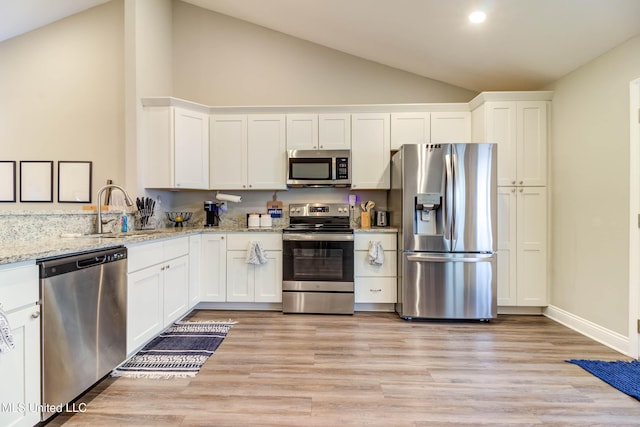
[426, 214]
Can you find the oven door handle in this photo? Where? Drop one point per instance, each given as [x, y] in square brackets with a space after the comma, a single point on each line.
[318, 237]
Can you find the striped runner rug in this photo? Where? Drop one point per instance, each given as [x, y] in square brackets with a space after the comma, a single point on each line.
[178, 352]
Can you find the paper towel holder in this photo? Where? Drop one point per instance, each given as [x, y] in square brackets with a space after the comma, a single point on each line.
[228, 197]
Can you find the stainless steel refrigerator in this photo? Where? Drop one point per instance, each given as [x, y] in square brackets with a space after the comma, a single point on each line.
[443, 201]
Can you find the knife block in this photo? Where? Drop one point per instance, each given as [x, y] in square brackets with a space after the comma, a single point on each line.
[365, 220]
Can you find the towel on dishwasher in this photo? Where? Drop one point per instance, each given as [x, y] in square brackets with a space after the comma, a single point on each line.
[376, 253]
[256, 253]
[6, 339]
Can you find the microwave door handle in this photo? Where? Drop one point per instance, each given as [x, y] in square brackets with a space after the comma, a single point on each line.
[333, 168]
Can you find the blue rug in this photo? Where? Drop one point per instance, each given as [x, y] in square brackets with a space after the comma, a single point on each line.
[178, 352]
[625, 376]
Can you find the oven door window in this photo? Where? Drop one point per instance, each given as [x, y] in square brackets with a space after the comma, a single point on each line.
[310, 169]
[317, 264]
[318, 261]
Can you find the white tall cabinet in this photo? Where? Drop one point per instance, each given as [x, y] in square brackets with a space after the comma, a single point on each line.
[518, 123]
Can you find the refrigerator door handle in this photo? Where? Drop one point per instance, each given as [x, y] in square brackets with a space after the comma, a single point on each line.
[448, 208]
[440, 258]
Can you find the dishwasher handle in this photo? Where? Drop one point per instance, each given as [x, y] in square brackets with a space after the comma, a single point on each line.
[90, 262]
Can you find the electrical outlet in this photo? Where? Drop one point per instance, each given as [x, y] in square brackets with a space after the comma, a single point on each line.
[352, 199]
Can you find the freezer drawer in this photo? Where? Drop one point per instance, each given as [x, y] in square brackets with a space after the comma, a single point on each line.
[448, 286]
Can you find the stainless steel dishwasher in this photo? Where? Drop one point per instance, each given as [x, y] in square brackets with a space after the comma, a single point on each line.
[84, 306]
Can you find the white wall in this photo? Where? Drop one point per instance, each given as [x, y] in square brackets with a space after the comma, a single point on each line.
[62, 96]
[219, 60]
[590, 188]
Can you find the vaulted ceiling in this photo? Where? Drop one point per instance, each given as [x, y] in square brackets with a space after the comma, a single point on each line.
[522, 45]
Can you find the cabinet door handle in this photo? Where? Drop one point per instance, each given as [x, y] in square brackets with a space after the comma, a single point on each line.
[513, 182]
[168, 266]
[35, 314]
[521, 190]
[221, 237]
[521, 182]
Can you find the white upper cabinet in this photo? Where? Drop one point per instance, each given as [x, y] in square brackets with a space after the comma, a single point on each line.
[267, 159]
[450, 127]
[248, 152]
[370, 151]
[520, 130]
[334, 131]
[176, 151]
[433, 127]
[228, 152]
[410, 128]
[302, 131]
[318, 131]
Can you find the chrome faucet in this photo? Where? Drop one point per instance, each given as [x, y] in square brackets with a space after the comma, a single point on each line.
[127, 200]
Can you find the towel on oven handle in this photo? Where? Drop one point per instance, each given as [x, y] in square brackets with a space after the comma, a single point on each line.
[6, 338]
[256, 253]
[376, 253]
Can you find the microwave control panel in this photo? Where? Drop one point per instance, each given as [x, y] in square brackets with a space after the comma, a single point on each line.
[342, 168]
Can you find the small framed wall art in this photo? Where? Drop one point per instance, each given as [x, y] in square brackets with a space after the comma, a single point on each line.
[36, 181]
[74, 182]
[7, 181]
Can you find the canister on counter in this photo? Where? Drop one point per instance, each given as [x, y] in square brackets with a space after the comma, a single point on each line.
[253, 220]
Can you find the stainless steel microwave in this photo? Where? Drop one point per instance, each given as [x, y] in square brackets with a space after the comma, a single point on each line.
[319, 168]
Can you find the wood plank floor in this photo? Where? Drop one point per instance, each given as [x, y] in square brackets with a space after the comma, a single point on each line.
[373, 369]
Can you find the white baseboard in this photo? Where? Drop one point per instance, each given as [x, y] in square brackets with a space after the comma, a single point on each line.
[589, 329]
[535, 311]
[360, 306]
[278, 306]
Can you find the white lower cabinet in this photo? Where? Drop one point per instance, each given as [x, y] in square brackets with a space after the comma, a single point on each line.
[249, 282]
[213, 268]
[20, 367]
[375, 283]
[522, 246]
[195, 255]
[157, 288]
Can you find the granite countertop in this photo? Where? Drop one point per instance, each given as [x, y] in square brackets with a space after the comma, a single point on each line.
[19, 251]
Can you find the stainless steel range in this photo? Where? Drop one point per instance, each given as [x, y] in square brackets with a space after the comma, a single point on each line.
[317, 262]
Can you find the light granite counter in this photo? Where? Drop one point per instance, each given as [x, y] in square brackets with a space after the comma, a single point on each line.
[22, 250]
[32, 250]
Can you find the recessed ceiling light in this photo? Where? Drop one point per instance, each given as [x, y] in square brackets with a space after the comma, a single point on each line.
[477, 17]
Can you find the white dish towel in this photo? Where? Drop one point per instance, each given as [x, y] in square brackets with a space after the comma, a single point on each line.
[6, 339]
[376, 253]
[256, 253]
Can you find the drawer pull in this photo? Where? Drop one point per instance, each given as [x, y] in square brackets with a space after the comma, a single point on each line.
[375, 290]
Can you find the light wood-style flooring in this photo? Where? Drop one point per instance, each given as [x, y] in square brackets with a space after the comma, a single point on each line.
[373, 369]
